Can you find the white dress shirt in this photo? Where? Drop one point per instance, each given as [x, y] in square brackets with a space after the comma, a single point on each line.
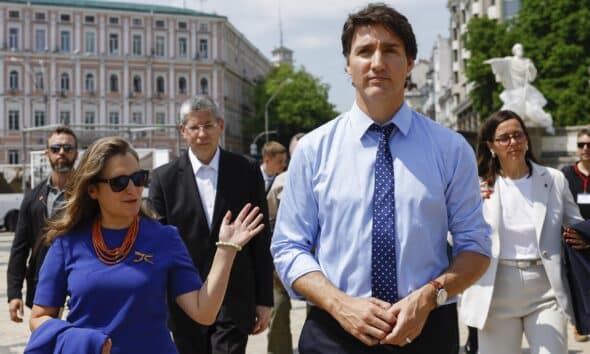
[206, 177]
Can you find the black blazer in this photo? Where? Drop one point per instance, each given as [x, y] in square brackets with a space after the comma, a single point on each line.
[174, 195]
[28, 241]
[578, 273]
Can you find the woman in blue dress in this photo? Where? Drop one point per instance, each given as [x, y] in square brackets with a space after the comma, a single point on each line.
[117, 264]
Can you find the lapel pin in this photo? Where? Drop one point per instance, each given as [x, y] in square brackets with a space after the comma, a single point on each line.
[143, 257]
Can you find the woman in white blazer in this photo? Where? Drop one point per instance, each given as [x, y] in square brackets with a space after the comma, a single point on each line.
[525, 288]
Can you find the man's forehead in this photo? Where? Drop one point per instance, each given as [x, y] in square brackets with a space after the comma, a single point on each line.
[201, 115]
[367, 33]
[584, 137]
[61, 138]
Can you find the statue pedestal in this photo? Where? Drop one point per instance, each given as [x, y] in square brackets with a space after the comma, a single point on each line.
[536, 137]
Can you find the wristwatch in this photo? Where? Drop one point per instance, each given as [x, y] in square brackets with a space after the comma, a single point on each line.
[440, 295]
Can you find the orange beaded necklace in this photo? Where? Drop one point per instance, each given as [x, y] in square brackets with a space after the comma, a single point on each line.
[113, 256]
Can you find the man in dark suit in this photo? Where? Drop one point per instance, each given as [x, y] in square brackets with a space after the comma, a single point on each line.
[41, 203]
[193, 193]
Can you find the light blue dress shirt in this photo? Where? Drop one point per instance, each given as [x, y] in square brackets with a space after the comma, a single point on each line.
[328, 195]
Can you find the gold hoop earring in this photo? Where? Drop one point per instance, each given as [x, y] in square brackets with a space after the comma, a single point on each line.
[493, 154]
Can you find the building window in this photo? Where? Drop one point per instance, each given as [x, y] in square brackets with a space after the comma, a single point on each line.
[137, 44]
[89, 119]
[65, 82]
[89, 42]
[182, 86]
[160, 49]
[13, 80]
[39, 16]
[89, 83]
[114, 43]
[65, 17]
[89, 19]
[182, 47]
[13, 15]
[114, 118]
[65, 41]
[64, 117]
[160, 24]
[136, 22]
[160, 85]
[13, 120]
[114, 83]
[113, 20]
[136, 118]
[204, 86]
[39, 81]
[204, 48]
[204, 27]
[39, 119]
[182, 25]
[13, 157]
[40, 39]
[137, 84]
[160, 118]
[13, 38]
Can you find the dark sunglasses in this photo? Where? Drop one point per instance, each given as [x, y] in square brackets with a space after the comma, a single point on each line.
[581, 145]
[119, 183]
[55, 148]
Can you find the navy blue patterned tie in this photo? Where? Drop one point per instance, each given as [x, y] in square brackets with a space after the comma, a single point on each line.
[383, 259]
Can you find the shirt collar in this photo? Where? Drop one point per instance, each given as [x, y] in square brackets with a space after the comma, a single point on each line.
[361, 121]
[197, 164]
[52, 188]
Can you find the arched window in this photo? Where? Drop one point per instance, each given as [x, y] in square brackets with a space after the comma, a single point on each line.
[160, 86]
[13, 81]
[114, 83]
[137, 84]
[182, 86]
[89, 84]
[65, 82]
[204, 86]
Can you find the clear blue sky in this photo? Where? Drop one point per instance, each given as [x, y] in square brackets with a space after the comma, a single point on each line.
[312, 29]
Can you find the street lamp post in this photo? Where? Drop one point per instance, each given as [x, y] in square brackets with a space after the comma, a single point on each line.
[278, 89]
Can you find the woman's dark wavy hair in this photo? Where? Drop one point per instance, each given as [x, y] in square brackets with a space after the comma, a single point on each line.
[488, 167]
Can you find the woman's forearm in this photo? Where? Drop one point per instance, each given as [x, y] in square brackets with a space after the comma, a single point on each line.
[204, 304]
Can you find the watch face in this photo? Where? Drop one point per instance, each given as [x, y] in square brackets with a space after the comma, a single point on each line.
[441, 297]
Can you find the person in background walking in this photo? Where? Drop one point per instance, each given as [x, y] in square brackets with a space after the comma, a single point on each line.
[525, 289]
[40, 204]
[578, 178]
[274, 161]
[279, 331]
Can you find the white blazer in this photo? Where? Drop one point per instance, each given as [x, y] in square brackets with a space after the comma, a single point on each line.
[553, 206]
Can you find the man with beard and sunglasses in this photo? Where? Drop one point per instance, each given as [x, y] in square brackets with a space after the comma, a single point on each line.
[40, 204]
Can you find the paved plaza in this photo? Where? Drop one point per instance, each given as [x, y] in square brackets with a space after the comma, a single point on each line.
[13, 337]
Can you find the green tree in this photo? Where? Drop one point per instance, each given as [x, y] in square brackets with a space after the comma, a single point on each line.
[485, 39]
[556, 36]
[299, 106]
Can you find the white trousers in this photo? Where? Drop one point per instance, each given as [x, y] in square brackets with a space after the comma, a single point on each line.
[523, 302]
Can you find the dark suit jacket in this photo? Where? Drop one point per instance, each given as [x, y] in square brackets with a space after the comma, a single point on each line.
[174, 195]
[578, 273]
[27, 241]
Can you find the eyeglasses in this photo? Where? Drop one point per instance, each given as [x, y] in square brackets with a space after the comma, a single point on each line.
[119, 183]
[505, 139]
[205, 127]
[56, 148]
[582, 145]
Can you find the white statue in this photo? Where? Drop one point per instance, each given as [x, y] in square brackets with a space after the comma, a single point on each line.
[519, 96]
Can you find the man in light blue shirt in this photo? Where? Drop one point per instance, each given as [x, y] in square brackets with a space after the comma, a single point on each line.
[327, 206]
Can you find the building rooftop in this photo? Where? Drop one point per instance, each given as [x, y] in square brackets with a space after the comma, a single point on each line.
[111, 5]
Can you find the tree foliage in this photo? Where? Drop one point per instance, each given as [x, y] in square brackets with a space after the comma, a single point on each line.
[556, 36]
[299, 106]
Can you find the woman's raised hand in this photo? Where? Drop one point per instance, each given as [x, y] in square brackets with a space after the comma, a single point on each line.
[244, 227]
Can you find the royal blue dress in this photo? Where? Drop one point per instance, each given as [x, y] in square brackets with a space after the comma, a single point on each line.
[126, 301]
